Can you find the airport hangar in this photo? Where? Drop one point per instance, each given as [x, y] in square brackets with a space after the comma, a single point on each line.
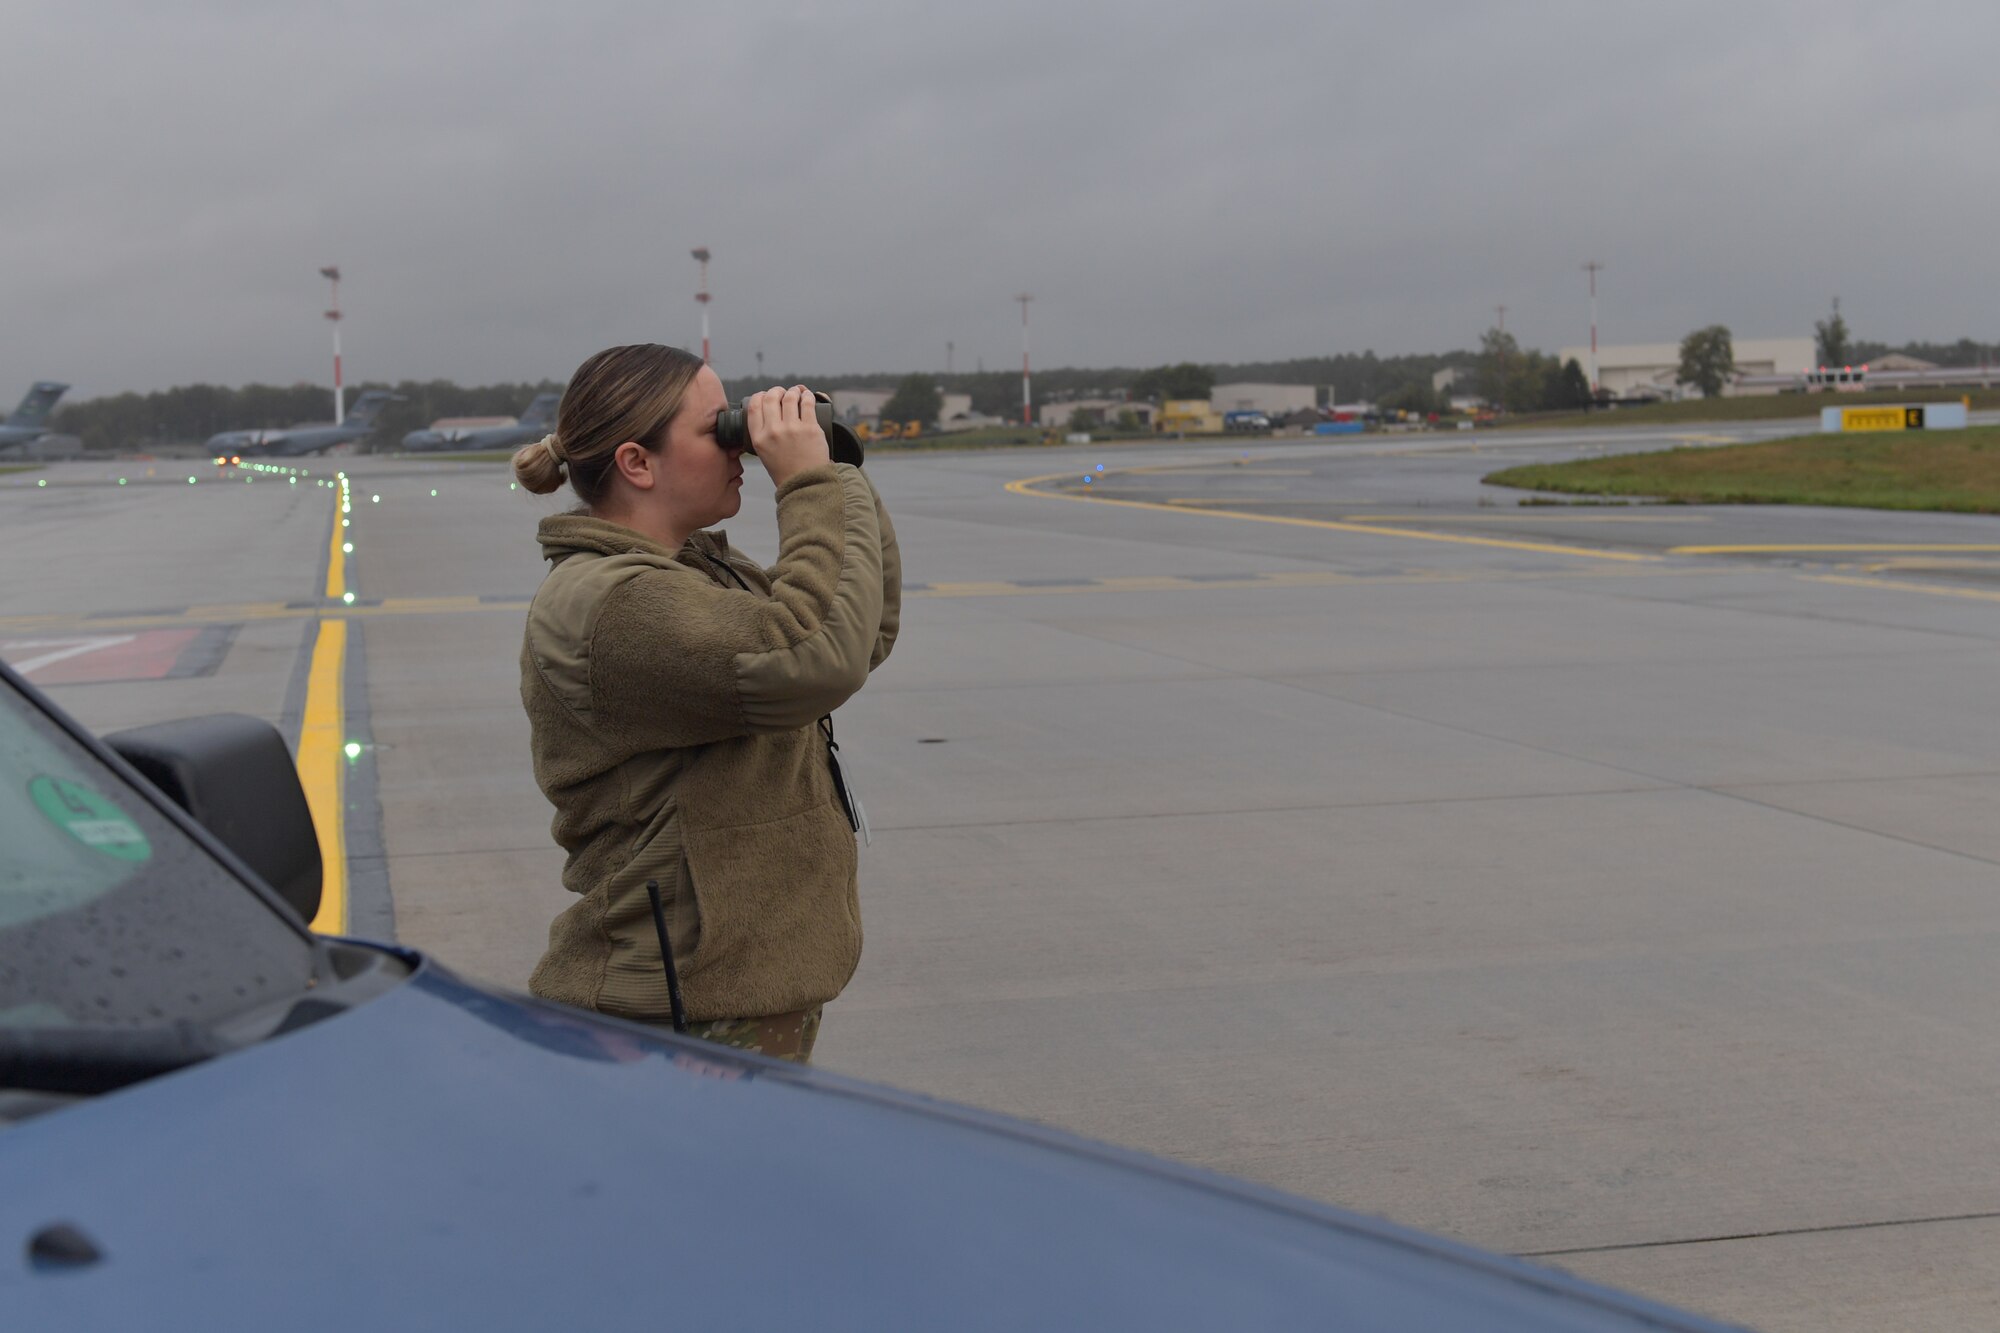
[1649, 370]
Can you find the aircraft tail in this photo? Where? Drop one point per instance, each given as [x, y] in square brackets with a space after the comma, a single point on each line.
[541, 412]
[370, 404]
[35, 408]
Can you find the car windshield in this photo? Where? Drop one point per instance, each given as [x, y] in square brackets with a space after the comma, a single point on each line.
[110, 915]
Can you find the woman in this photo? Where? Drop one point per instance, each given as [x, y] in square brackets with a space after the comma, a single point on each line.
[680, 700]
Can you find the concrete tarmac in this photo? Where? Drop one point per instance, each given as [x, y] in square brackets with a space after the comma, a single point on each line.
[1305, 810]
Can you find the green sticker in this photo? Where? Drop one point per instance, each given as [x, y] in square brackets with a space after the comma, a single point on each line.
[89, 818]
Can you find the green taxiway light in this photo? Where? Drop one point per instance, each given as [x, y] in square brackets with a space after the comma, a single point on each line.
[43, 482]
[352, 749]
[346, 522]
[190, 481]
[348, 598]
[347, 548]
[434, 495]
[375, 499]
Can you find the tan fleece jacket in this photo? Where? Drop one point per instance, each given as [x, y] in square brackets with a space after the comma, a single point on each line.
[674, 716]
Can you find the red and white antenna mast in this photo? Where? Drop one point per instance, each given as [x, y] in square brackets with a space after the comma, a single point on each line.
[332, 274]
[701, 295]
[1024, 298]
[1593, 268]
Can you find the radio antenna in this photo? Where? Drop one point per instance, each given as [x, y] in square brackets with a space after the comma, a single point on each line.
[667, 957]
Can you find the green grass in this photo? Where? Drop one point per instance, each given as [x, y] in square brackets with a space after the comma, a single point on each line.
[1768, 407]
[19, 467]
[1955, 470]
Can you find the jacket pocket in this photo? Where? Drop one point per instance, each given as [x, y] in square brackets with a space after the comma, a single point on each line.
[778, 928]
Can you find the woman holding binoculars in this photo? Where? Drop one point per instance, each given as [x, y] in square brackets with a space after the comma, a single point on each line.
[680, 699]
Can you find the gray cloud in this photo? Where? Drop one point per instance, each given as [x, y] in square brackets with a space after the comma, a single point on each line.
[509, 186]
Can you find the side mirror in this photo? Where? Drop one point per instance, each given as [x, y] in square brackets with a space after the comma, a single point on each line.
[235, 777]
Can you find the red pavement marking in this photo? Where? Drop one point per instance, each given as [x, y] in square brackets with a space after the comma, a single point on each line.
[81, 659]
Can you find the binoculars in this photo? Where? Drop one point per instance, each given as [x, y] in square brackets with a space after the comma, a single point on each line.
[732, 430]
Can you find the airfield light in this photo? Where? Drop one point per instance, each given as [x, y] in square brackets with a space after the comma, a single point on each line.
[352, 749]
[43, 482]
[434, 495]
[347, 548]
[348, 598]
[292, 481]
[190, 481]
[121, 481]
[345, 521]
[375, 499]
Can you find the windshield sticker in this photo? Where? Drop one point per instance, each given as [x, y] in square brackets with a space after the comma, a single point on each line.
[89, 818]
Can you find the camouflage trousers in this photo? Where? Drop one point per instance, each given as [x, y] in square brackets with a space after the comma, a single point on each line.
[786, 1036]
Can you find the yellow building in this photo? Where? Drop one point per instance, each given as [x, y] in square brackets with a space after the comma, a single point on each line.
[1192, 415]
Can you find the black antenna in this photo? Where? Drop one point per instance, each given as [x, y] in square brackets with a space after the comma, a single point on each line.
[667, 957]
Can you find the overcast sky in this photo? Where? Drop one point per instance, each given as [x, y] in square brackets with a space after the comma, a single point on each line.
[508, 186]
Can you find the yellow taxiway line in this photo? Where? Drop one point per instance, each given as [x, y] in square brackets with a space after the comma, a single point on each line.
[1847, 546]
[321, 756]
[320, 762]
[1904, 585]
[1026, 486]
[1534, 514]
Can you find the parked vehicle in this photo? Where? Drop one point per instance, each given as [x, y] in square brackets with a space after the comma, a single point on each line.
[216, 1120]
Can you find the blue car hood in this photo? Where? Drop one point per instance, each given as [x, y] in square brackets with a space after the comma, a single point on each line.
[448, 1157]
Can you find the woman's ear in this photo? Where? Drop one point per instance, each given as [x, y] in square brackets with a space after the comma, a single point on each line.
[635, 465]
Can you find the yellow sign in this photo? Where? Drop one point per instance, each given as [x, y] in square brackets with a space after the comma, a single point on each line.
[1882, 418]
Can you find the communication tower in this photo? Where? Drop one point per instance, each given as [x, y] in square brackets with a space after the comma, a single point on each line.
[701, 297]
[332, 274]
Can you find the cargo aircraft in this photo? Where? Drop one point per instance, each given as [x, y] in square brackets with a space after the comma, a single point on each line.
[292, 441]
[538, 420]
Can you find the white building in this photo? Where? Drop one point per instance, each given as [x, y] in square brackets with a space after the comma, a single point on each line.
[1098, 411]
[1649, 370]
[1274, 400]
[854, 406]
[857, 405]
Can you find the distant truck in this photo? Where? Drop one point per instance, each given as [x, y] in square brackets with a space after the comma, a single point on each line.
[1246, 420]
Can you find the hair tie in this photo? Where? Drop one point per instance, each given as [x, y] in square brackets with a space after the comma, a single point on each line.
[554, 446]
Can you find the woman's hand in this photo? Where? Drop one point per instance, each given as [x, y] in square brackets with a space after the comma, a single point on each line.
[785, 433]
